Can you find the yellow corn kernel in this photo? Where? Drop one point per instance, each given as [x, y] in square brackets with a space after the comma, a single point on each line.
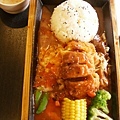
[74, 109]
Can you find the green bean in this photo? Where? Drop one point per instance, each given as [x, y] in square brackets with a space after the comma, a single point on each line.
[38, 95]
[43, 103]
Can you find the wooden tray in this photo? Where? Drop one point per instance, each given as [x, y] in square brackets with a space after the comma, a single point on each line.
[109, 25]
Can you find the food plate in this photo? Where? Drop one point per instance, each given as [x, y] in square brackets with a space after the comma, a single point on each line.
[106, 14]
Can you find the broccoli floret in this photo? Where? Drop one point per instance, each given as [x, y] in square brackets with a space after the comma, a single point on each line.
[99, 115]
[100, 100]
[99, 104]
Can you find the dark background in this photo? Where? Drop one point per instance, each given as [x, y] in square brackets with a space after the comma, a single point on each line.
[13, 33]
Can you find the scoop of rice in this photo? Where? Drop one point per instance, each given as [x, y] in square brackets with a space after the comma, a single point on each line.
[74, 20]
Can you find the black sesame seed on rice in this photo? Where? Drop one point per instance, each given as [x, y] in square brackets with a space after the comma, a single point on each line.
[72, 32]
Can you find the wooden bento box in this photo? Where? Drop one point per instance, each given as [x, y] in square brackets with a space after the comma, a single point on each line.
[107, 17]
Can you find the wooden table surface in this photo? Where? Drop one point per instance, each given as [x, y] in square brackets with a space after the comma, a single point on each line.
[13, 33]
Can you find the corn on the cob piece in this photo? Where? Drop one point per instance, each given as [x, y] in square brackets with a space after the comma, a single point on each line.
[74, 109]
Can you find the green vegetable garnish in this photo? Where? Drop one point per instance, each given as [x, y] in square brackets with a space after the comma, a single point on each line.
[99, 107]
[43, 103]
[38, 95]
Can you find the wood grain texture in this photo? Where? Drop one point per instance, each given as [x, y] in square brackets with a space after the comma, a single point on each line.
[28, 59]
[117, 6]
[117, 47]
[13, 33]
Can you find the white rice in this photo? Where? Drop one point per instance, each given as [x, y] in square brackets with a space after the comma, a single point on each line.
[74, 20]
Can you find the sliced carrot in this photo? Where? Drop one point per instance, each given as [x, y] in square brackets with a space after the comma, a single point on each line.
[57, 103]
[91, 93]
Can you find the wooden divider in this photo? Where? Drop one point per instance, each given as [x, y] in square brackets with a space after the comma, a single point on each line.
[28, 59]
[116, 45]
